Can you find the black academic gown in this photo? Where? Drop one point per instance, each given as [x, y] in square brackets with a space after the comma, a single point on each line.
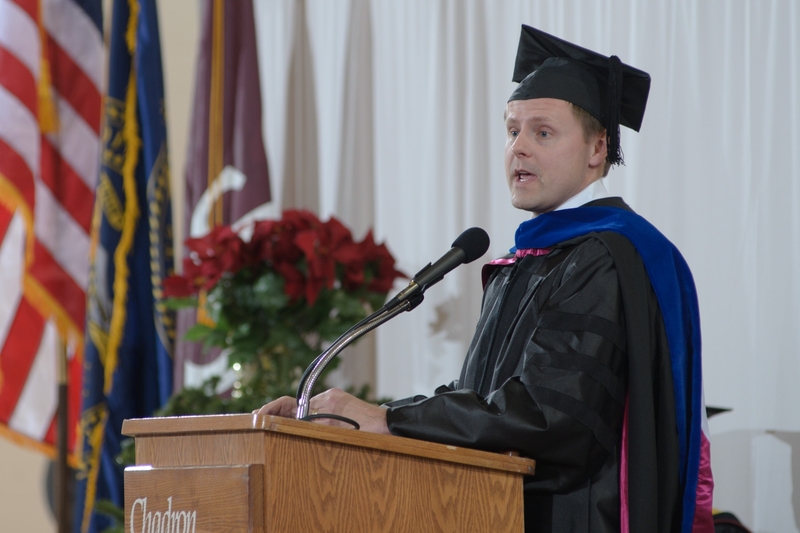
[546, 374]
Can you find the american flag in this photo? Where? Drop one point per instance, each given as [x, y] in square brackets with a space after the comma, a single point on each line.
[51, 86]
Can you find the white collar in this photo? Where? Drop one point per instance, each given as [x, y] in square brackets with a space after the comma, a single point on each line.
[594, 191]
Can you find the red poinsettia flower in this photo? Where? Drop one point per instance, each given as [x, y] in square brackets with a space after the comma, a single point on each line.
[350, 256]
[294, 282]
[274, 240]
[322, 246]
[236, 283]
[261, 241]
[176, 286]
[211, 256]
[385, 272]
[307, 253]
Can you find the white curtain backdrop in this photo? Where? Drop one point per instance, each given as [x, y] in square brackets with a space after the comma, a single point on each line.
[716, 168]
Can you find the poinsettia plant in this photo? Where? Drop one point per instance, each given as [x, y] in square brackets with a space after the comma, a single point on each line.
[276, 299]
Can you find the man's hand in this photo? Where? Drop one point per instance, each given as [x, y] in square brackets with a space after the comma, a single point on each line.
[285, 406]
[371, 418]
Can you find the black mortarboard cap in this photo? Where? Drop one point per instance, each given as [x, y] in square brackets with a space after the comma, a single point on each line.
[612, 92]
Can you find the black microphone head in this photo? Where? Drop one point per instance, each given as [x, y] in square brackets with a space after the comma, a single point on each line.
[474, 242]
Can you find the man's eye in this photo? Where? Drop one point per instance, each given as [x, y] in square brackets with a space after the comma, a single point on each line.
[544, 134]
[513, 133]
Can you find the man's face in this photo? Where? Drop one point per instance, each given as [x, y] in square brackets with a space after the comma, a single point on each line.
[548, 160]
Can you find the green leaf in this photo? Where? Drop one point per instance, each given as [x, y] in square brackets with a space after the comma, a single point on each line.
[110, 509]
[215, 337]
[268, 292]
[197, 332]
[127, 453]
[180, 303]
[347, 305]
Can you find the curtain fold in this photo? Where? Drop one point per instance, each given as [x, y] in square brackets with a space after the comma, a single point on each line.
[301, 173]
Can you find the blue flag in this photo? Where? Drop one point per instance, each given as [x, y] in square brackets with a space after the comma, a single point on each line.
[129, 334]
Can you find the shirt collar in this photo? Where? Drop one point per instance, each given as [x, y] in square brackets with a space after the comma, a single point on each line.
[594, 191]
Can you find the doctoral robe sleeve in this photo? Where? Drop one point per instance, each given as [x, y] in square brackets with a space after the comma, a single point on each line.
[563, 400]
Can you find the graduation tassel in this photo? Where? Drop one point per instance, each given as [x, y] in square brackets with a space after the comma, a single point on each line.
[614, 101]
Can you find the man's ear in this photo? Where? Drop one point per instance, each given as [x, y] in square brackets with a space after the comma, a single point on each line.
[599, 150]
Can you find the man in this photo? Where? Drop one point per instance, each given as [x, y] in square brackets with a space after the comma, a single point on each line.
[586, 355]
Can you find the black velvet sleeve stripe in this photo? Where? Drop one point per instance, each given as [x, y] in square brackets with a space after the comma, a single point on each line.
[404, 401]
[570, 406]
[586, 364]
[558, 320]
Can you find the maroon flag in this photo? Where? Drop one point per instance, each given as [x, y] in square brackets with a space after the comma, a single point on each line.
[226, 171]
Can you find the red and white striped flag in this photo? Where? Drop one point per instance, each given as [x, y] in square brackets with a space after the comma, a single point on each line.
[51, 72]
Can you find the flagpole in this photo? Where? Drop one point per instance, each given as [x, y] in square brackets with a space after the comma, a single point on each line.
[62, 468]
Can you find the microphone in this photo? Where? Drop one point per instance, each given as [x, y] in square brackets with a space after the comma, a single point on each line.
[469, 246]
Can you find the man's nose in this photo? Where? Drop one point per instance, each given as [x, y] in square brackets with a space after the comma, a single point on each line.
[521, 146]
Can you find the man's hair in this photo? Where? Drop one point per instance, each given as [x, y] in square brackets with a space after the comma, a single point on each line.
[591, 127]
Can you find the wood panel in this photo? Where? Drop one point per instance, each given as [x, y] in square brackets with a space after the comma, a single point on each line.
[204, 449]
[210, 499]
[313, 487]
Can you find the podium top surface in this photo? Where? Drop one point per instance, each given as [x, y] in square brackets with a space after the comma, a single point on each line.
[182, 425]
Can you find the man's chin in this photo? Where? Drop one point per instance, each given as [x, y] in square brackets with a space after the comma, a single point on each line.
[534, 208]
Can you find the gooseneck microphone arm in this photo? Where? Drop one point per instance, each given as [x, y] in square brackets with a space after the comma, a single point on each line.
[315, 369]
[470, 245]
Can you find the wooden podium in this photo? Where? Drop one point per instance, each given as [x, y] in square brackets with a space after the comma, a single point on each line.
[268, 475]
